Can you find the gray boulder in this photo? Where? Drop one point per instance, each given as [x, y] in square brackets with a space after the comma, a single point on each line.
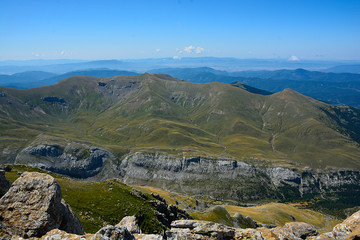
[33, 206]
[195, 229]
[70, 223]
[130, 223]
[110, 232]
[244, 222]
[301, 230]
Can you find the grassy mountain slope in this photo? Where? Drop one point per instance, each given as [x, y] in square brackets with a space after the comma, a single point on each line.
[278, 214]
[101, 203]
[161, 113]
[334, 88]
[271, 213]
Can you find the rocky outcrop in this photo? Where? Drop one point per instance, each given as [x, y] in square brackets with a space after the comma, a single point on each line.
[231, 179]
[110, 232]
[148, 237]
[165, 213]
[284, 233]
[52, 99]
[73, 159]
[130, 223]
[244, 222]
[57, 234]
[351, 224]
[69, 222]
[348, 229]
[204, 230]
[4, 183]
[301, 230]
[194, 229]
[33, 206]
[221, 178]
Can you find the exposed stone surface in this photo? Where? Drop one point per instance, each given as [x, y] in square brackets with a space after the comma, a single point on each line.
[33, 206]
[202, 175]
[70, 222]
[301, 230]
[354, 235]
[191, 224]
[284, 233]
[73, 159]
[256, 234]
[195, 229]
[148, 237]
[130, 223]
[195, 175]
[57, 234]
[348, 226]
[4, 183]
[166, 214]
[244, 222]
[110, 232]
[4, 235]
[204, 230]
[348, 229]
[52, 99]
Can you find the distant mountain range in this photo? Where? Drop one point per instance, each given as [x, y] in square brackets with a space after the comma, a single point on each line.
[21, 80]
[142, 65]
[334, 88]
[344, 69]
[31, 79]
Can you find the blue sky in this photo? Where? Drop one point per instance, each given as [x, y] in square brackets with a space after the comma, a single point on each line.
[116, 29]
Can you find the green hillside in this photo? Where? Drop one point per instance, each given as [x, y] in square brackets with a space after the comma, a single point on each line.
[97, 204]
[160, 113]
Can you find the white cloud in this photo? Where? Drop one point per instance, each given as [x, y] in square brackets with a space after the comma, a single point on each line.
[294, 58]
[189, 49]
[62, 52]
[199, 50]
[176, 57]
[157, 50]
[35, 54]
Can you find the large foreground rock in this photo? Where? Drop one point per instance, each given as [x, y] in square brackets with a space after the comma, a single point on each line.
[33, 206]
